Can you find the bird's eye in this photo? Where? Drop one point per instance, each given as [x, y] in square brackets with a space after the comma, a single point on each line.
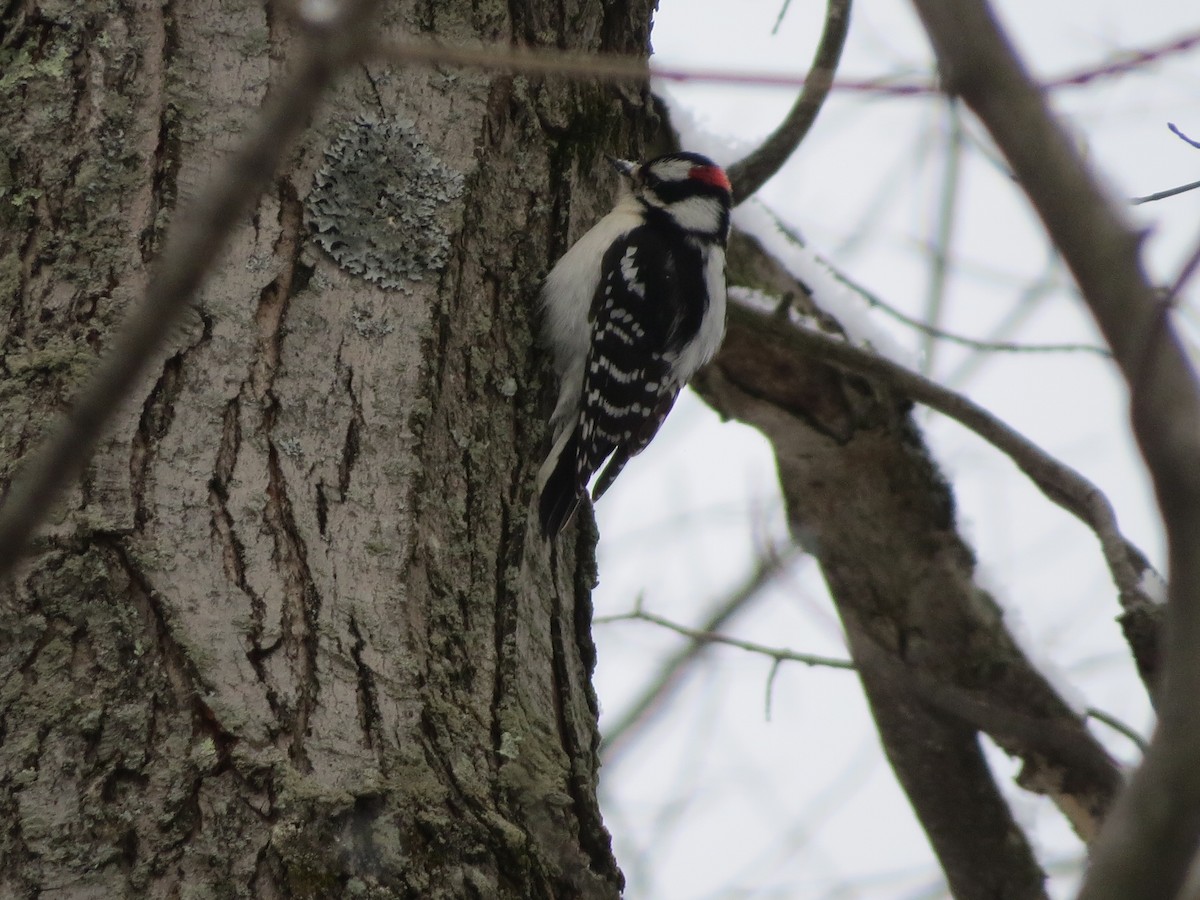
[650, 180]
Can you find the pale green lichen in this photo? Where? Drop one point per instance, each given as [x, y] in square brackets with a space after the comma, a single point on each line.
[368, 326]
[290, 447]
[510, 745]
[383, 206]
[22, 69]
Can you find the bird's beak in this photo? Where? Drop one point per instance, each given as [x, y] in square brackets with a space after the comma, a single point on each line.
[623, 166]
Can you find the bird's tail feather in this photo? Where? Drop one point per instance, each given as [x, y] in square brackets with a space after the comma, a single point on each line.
[610, 473]
[559, 480]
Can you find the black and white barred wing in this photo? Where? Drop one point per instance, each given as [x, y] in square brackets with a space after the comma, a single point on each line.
[627, 384]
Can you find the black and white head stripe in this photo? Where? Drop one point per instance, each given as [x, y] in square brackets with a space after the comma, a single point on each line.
[683, 174]
[690, 188]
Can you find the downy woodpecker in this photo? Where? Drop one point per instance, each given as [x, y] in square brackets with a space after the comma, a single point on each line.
[632, 310]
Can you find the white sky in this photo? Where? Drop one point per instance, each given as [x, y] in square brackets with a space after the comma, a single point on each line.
[713, 800]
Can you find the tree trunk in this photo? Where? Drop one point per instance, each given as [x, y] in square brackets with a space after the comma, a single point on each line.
[294, 634]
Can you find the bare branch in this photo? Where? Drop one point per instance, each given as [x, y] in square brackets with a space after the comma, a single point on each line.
[1118, 726]
[195, 241]
[1183, 137]
[751, 173]
[1162, 195]
[779, 654]
[962, 340]
[944, 231]
[620, 735]
[1061, 759]
[779, 19]
[859, 485]
[1033, 739]
[1125, 63]
[1059, 482]
[1150, 839]
[873, 299]
[531, 61]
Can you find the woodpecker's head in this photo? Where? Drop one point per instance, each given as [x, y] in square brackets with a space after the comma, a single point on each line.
[690, 189]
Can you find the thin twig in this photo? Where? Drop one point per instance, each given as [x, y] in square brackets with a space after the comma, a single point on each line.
[530, 61]
[944, 232]
[1183, 137]
[619, 735]
[779, 19]
[751, 173]
[1118, 726]
[1182, 188]
[1032, 294]
[194, 243]
[1125, 63]
[1162, 195]
[1055, 739]
[962, 340]
[780, 654]
[770, 691]
[874, 300]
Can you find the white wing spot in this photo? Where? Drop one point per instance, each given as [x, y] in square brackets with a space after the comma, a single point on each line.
[629, 272]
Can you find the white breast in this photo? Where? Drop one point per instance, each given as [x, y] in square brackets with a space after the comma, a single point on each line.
[567, 299]
[712, 326]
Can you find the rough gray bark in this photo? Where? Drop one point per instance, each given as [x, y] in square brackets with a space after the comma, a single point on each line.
[293, 633]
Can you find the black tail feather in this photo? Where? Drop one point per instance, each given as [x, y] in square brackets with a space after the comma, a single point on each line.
[610, 473]
[560, 496]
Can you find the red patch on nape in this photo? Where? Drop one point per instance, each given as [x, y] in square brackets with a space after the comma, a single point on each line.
[713, 175]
